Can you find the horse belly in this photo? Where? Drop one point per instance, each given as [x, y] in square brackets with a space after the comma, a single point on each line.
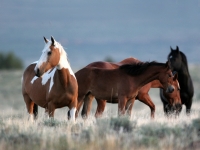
[37, 94]
[109, 95]
[113, 100]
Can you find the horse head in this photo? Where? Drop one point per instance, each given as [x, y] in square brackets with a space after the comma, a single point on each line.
[174, 100]
[175, 58]
[166, 78]
[50, 57]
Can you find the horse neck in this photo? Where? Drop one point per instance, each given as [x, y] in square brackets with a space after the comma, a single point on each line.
[65, 77]
[64, 69]
[156, 84]
[150, 74]
[184, 78]
[183, 71]
[63, 63]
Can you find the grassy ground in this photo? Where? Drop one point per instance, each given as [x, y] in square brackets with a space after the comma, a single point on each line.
[109, 132]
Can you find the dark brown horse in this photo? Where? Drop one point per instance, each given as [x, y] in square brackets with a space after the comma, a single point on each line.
[143, 96]
[178, 62]
[121, 84]
[50, 83]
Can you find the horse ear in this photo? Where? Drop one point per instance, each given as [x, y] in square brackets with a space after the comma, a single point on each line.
[175, 76]
[46, 41]
[52, 41]
[171, 48]
[168, 64]
[177, 48]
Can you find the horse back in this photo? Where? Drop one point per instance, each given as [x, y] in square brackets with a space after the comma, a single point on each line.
[102, 64]
[128, 61]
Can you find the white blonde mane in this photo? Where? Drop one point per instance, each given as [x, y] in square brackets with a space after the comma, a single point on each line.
[63, 63]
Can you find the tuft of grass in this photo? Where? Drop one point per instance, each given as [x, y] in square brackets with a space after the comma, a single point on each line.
[51, 122]
[122, 124]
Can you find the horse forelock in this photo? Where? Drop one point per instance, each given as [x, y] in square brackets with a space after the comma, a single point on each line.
[183, 57]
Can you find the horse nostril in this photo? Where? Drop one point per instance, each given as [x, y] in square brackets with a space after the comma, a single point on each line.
[171, 89]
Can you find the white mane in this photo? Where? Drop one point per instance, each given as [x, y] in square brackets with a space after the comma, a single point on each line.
[63, 63]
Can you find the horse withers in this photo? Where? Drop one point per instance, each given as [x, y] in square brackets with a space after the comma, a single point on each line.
[121, 84]
[178, 63]
[142, 96]
[50, 82]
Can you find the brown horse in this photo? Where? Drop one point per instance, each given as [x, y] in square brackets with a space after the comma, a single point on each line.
[143, 96]
[121, 84]
[50, 83]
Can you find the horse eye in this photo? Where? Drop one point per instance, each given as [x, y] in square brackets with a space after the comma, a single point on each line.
[49, 53]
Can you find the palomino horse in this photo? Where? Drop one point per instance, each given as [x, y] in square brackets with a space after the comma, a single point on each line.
[121, 84]
[50, 83]
[178, 63]
[143, 96]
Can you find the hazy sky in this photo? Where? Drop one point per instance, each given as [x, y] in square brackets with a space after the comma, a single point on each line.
[90, 30]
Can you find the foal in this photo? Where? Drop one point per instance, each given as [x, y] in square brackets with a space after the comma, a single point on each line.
[50, 83]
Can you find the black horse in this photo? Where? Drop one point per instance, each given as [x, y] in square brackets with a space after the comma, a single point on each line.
[179, 64]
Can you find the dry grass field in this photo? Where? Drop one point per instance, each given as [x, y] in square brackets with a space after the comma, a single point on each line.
[109, 132]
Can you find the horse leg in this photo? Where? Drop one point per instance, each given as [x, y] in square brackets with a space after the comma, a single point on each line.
[46, 113]
[188, 105]
[100, 107]
[121, 105]
[145, 98]
[80, 103]
[51, 110]
[129, 106]
[168, 110]
[29, 106]
[35, 111]
[87, 106]
[72, 110]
